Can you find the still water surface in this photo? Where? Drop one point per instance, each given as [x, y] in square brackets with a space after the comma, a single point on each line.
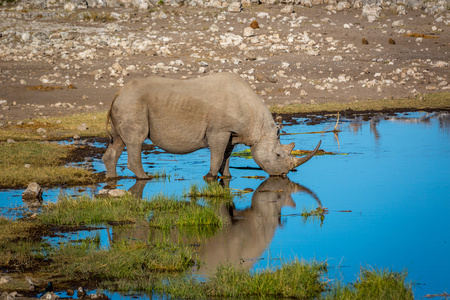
[387, 193]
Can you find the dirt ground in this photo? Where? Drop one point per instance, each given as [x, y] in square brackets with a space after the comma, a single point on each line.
[55, 62]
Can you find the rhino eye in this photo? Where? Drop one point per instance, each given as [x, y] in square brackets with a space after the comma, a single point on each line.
[278, 132]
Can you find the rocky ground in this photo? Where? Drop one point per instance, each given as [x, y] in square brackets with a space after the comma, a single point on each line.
[71, 58]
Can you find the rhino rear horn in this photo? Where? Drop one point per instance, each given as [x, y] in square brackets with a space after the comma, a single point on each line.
[288, 148]
[301, 160]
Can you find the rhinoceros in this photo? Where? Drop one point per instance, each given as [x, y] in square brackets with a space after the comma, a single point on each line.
[181, 116]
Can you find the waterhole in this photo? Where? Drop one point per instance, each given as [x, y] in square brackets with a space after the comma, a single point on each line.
[385, 192]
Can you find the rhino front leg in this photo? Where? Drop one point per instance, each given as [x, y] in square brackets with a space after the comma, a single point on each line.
[225, 168]
[218, 143]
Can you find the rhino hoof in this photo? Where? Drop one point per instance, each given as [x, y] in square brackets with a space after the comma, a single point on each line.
[210, 177]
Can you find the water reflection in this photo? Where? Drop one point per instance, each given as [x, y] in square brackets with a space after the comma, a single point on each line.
[443, 118]
[246, 233]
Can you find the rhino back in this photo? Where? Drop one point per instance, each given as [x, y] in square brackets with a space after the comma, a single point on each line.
[180, 112]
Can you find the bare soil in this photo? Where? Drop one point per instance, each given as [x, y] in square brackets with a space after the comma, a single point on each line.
[280, 64]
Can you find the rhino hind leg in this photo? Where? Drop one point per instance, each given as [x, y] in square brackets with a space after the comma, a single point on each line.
[133, 133]
[135, 160]
[112, 154]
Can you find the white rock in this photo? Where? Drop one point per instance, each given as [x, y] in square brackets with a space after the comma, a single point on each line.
[33, 191]
[82, 127]
[441, 64]
[230, 39]
[214, 28]
[288, 9]
[371, 12]
[235, 7]
[398, 23]
[69, 6]
[248, 32]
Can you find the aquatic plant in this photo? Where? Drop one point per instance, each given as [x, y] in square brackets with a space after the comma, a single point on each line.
[209, 190]
[246, 153]
[125, 259]
[295, 279]
[377, 284]
[318, 213]
[101, 210]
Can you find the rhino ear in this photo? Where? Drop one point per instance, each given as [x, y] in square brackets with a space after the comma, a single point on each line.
[288, 148]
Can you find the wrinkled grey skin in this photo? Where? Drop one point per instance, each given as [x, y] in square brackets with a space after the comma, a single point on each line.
[182, 116]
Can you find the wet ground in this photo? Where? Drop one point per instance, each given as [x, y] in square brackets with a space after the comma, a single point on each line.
[385, 193]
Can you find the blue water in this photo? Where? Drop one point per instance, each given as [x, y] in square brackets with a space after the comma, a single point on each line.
[387, 194]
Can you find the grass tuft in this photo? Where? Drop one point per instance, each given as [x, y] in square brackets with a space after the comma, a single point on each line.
[376, 284]
[210, 190]
[292, 280]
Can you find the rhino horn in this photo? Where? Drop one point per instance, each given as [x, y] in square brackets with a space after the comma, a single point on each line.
[301, 160]
[289, 147]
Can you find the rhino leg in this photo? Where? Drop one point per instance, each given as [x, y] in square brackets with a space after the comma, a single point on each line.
[135, 160]
[133, 133]
[113, 153]
[225, 167]
[218, 144]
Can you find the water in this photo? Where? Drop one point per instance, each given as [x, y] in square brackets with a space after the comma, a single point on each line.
[387, 197]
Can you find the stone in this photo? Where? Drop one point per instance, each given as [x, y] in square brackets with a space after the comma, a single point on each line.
[288, 9]
[33, 191]
[371, 12]
[50, 296]
[112, 192]
[248, 32]
[235, 7]
[82, 127]
[398, 23]
[5, 279]
[69, 6]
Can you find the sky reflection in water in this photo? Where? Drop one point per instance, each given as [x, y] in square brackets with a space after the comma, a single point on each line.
[394, 180]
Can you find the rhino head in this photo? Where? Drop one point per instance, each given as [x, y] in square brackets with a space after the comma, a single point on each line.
[275, 158]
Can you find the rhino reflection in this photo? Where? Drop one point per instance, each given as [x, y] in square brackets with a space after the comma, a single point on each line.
[245, 236]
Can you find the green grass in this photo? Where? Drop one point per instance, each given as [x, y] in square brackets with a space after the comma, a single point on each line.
[160, 212]
[298, 280]
[85, 210]
[46, 162]
[210, 190]
[123, 260]
[376, 284]
[20, 247]
[428, 101]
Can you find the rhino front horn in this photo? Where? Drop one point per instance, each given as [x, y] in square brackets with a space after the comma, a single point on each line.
[301, 160]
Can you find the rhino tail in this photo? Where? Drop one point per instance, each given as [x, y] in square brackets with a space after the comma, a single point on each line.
[108, 118]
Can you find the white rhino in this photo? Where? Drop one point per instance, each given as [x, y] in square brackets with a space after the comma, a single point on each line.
[181, 116]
